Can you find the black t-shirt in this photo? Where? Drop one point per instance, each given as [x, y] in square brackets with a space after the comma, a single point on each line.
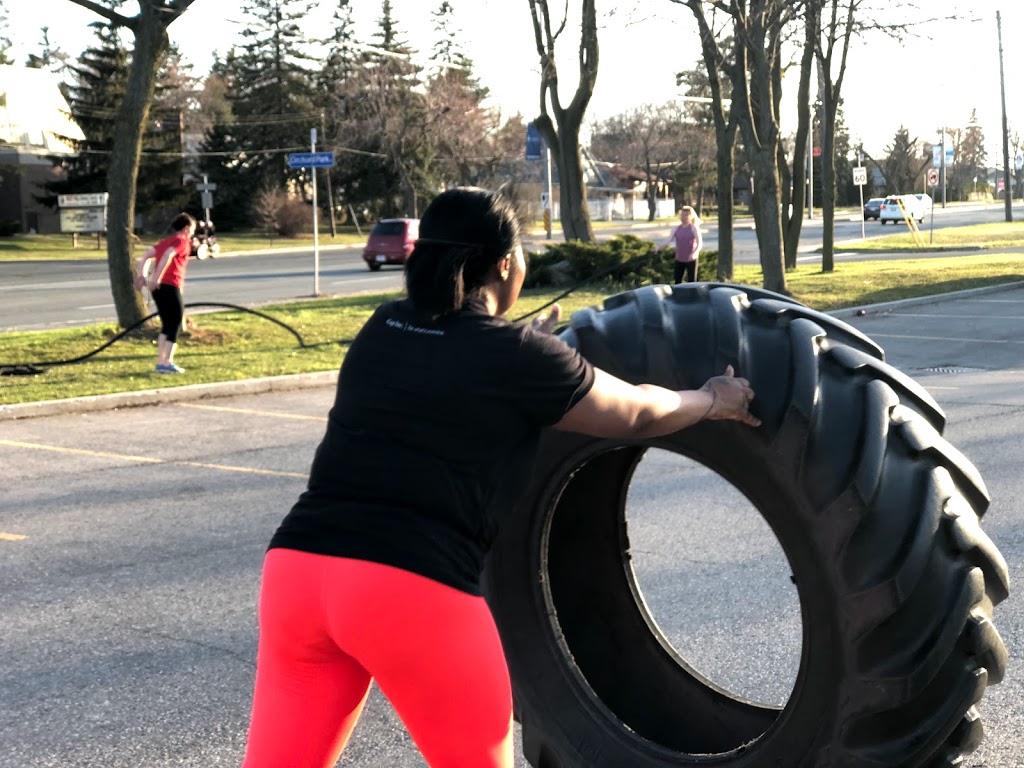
[431, 439]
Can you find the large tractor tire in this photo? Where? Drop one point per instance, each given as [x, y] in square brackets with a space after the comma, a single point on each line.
[877, 514]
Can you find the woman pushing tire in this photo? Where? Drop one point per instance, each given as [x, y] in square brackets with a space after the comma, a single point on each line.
[877, 514]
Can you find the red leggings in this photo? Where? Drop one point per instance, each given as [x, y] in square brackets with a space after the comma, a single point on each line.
[329, 626]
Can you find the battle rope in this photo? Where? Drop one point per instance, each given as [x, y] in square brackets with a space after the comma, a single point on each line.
[35, 368]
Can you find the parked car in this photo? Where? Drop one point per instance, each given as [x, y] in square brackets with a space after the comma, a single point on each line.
[872, 208]
[915, 208]
[390, 242]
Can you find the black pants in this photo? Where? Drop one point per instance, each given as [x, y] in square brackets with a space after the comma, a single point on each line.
[688, 268]
[171, 308]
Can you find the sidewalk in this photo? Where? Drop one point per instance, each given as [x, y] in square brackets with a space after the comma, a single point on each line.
[329, 378]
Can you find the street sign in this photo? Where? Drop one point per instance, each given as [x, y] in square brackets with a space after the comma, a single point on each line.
[937, 156]
[310, 159]
[545, 201]
[532, 142]
[206, 199]
[860, 176]
[91, 200]
[933, 177]
[1018, 161]
[204, 187]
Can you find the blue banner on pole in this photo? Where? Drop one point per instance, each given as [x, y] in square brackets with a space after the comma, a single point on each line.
[310, 159]
[532, 142]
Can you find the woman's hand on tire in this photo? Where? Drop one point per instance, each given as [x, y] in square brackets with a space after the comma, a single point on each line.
[730, 399]
[545, 323]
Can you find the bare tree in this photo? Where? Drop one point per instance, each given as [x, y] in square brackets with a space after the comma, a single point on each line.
[149, 27]
[645, 138]
[721, 80]
[562, 134]
[757, 32]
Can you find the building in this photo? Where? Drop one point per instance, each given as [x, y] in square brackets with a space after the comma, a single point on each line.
[35, 125]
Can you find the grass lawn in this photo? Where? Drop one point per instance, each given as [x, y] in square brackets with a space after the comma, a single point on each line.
[991, 236]
[59, 247]
[229, 346]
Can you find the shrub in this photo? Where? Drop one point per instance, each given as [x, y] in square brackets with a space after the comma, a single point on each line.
[621, 263]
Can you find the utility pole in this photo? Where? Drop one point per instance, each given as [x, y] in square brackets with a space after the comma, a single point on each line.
[330, 192]
[810, 169]
[1007, 194]
[942, 163]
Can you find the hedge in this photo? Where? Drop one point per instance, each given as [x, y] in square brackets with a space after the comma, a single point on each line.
[624, 262]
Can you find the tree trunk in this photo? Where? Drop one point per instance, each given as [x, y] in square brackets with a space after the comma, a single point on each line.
[793, 205]
[828, 180]
[565, 141]
[726, 166]
[572, 190]
[126, 150]
[767, 218]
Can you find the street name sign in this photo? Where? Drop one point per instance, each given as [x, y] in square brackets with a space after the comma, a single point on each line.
[310, 159]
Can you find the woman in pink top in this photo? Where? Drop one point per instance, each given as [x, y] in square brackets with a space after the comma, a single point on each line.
[688, 244]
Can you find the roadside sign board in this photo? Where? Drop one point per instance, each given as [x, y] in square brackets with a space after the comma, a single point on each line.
[545, 201]
[89, 200]
[82, 220]
[933, 177]
[206, 199]
[310, 159]
[860, 176]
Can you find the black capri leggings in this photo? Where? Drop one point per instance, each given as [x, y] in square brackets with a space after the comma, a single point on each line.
[171, 308]
[687, 269]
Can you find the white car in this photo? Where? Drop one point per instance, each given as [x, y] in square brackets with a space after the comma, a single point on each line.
[917, 206]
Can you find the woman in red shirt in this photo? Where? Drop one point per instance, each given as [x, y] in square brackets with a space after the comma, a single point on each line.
[171, 255]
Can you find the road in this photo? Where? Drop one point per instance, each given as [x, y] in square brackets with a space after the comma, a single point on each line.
[38, 295]
[131, 543]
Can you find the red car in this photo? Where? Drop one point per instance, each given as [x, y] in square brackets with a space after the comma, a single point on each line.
[391, 241]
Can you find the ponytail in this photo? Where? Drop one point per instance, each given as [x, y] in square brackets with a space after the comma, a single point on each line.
[463, 233]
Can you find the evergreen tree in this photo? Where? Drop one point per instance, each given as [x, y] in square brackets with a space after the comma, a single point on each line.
[272, 95]
[100, 77]
[341, 57]
[381, 111]
[160, 187]
[97, 89]
[50, 58]
[224, 161]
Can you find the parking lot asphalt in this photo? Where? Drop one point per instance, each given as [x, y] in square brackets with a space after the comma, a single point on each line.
[132, 537]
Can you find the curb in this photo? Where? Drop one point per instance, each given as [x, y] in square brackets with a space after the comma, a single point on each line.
[888, 306]
[322, 379]
[144, 397]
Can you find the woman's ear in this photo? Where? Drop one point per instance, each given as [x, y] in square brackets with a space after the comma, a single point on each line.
[505, 266]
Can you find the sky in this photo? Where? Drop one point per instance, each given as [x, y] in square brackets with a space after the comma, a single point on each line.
[936, 76]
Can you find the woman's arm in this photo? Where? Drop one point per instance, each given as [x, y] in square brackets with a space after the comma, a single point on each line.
[669, 239]
[140, 270]
[698, 240]
[616, 408]
[161, 267]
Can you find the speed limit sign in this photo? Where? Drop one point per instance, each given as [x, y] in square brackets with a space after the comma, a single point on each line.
[933, 177]
[860, 176]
